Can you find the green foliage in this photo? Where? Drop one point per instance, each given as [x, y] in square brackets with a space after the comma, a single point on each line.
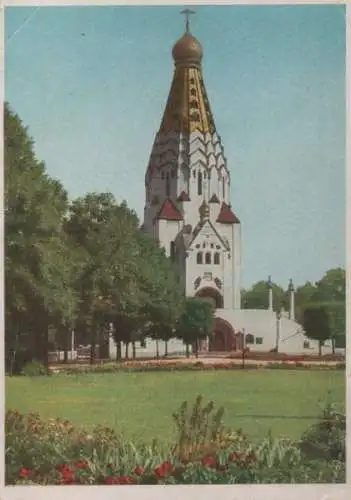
[326, 439]
[196, 321]
[257, 297]
[316, 323]
[200, 430]
[34, 369]
[37, 264]
[55, 452]
[76, 266]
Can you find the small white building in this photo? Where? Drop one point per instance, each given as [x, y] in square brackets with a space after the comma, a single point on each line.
[188, 210]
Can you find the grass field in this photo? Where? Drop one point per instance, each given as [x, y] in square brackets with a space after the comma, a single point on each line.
[140, 405]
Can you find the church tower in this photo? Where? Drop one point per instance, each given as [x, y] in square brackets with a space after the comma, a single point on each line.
[187, 184]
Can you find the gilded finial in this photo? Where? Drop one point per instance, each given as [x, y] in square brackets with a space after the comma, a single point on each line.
[187, 13]
[204, 211]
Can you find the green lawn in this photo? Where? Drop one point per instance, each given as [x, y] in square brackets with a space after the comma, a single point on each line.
[140, 405]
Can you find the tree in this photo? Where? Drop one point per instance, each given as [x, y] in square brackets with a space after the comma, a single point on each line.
[316, 323]
[303, 296]
[328, 293]
[196, 322]
[105, 234]
[332, 287]
[161, 294]
[37, 265]
[257, 297]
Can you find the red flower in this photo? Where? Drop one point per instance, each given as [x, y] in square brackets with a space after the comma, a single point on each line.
[126, 480]
[209, 462]
[24, 472]
[163, 470]
[66, 473]
[111, 480]
[139, 471]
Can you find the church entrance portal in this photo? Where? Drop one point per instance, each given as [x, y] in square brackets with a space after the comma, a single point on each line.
[211, 295]
[224, 338]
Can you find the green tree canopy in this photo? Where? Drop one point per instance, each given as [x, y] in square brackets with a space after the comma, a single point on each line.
[196, 321]
[37, 266]
[316, 323]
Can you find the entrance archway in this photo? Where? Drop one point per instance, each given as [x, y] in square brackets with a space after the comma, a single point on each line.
[211, 295]
[224, 337]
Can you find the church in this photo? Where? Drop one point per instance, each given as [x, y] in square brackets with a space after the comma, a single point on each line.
[188, 210]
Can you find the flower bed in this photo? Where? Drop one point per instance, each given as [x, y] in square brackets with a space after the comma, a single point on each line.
[193, 364]
[56, 453]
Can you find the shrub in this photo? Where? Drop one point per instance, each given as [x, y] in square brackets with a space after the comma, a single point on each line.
[34, 369]
[327, 438]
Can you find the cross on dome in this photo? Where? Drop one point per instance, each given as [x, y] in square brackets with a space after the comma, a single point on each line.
[187, 13]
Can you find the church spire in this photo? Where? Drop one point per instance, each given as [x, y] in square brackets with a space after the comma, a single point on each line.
[187, 108]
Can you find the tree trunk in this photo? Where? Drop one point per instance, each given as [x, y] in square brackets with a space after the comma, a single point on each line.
[65, 333]
[93, 342]
[196, 345]
[333, 345]
[118, 350]
[187, 350]
[320, 348]
[127, 350]
[157, 350]
[134, 350]
[166, 348]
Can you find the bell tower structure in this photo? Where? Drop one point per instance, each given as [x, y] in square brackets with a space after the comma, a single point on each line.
[187, 187]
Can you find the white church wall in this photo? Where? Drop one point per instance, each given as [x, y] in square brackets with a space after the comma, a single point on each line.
[168, 231]
[262, 324]
[236, 263]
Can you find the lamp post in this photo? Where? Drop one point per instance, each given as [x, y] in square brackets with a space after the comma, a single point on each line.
[244, 347]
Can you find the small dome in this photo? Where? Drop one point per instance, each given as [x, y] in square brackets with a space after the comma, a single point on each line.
[187, 50]
[204, 210]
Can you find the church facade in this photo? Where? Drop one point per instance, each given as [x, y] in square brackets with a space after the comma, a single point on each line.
[188, 210]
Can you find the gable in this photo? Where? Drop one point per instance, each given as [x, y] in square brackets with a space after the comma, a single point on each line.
[206, 231]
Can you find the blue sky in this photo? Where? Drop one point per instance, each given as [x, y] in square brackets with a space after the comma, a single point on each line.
[91, 84]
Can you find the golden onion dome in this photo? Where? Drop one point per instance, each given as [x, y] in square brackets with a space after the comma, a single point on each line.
[187, 51]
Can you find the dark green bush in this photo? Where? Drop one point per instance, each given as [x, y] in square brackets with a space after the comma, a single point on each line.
[34, 369]
[326, 439]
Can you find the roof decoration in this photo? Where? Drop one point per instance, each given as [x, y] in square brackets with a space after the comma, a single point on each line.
[226, 216]
[187, 107]
[214, 199]
[183, 196]
[169, 211]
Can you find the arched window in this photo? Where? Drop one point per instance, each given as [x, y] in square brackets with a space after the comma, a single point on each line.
[168, 185]
[199, 183]
[199, 258]
[216, 258]
[208, 258]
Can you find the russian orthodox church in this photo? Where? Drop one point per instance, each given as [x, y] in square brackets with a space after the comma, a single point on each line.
[188, 210]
